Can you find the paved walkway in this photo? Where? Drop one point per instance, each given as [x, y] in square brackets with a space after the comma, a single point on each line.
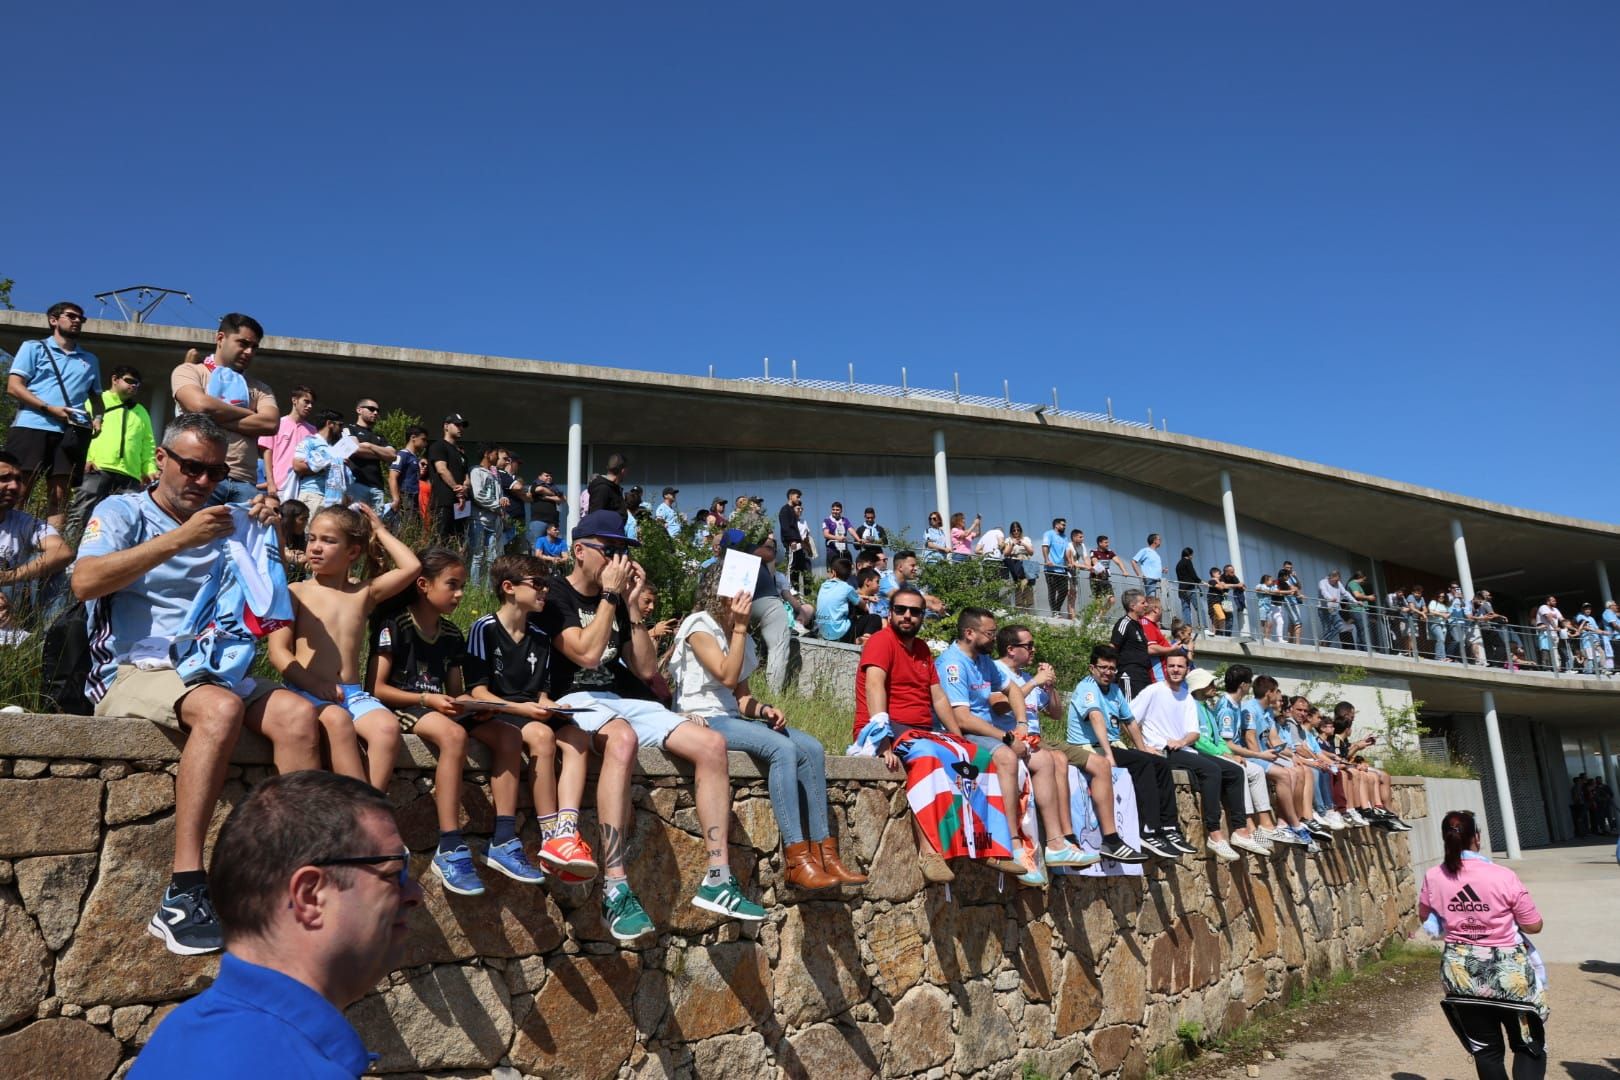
[1577, 889]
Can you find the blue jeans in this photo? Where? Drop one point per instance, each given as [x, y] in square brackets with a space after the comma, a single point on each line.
[483, 545]
[796, 773]
[1437, 634]
[1324, 790]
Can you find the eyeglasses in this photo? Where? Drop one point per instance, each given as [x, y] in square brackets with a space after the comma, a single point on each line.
[194, 469]
[402, 879]
[905, 609]
[1030, 645]
[1102, 670]
[76, 316]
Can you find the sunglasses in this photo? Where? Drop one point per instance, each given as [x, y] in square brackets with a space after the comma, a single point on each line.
[195, 469]
[1030, 645]
[402, 879]
[534, 583]
[905, 609]
[610, 552]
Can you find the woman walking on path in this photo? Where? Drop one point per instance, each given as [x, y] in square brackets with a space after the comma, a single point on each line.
[1492, 976]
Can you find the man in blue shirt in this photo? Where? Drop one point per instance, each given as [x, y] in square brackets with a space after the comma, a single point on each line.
[1054, 553]
[1150, 565]
[314, 890]
[1258, 733]
[837, 604]
[1229, 714]
[144, 558]
[1100, 719]
[551, 548]
[51, 378]
[666, 513]
[977, 687]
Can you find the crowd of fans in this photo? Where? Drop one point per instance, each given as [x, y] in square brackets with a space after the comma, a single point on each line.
[244, 523]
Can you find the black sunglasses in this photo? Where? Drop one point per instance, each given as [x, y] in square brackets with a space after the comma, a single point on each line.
[194, 469]
[402, 879]
[610, 552]
[905, 609]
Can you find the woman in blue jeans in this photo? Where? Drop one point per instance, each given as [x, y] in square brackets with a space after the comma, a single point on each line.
[712, 659]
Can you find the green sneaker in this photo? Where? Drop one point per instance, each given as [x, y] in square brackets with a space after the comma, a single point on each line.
[727, 899]
[625, 917]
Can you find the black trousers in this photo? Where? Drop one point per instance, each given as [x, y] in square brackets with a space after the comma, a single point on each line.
[1481, 1028]
[1155, 790]
[1057, 589]
[1218, 783]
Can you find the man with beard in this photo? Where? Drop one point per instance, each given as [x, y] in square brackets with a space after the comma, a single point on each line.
[51, 379]
[145, 557]
[245, 408]
[314, 892]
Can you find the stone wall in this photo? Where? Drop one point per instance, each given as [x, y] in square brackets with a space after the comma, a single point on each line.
[894, 980]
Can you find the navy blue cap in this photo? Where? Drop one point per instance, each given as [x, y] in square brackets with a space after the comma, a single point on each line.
[603, 525]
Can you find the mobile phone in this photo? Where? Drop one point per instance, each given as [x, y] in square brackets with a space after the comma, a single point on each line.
[1371, 739]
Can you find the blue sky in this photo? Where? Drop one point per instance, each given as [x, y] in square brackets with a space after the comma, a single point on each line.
[1383, 236]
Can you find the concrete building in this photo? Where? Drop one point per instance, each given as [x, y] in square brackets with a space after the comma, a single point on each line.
[907, 455]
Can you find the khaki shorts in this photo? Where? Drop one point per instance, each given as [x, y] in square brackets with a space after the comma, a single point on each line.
[1076, 754]
[155, 695]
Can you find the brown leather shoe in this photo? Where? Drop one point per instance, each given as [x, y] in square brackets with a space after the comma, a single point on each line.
[803, 870]
[832, 864]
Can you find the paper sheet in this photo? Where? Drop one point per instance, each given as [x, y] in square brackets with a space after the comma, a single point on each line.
[739, 573]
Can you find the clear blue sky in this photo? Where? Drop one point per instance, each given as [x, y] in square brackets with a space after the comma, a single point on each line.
[1384, 236]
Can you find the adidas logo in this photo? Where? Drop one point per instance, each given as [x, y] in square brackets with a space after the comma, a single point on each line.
[1467, 900]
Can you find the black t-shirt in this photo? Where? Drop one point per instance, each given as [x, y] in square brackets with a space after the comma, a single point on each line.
[606, 494]
[366, 470]
[1132, 643]
[511, 670]
[1187, 574]
[566, 608]
[418, 665]
[545, 511]
[455, 459]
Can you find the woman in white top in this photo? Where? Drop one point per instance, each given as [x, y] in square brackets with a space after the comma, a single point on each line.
[713, 658]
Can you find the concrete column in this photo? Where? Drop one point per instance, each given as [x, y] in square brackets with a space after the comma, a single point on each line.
[1603, 582]
[1608, 760]
[1504, 793]
[576, 410]
[1459, 548]
[157, 407]
[942, 482]
[1234, 549]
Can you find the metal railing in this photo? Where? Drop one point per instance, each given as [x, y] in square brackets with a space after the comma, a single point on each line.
[913, 393]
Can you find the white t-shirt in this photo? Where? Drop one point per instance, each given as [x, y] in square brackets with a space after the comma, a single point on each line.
[22, 538]
[990, 542]
[696, 691]
[1549, 615]
[1165, 715]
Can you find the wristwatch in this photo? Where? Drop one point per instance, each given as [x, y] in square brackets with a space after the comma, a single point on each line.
[1007, 739]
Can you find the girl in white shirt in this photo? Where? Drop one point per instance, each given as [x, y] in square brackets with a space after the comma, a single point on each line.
[712, 660]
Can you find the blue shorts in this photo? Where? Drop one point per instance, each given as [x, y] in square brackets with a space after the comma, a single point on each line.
[356, 702]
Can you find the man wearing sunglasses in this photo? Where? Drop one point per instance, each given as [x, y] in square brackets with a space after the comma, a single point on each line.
[144, 558]
[121, 455]
[372, 458]
[314, 893]
[604, 659]
[51, 378]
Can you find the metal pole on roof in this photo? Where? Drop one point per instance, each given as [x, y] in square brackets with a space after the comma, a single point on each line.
[904, 389]
[1150, 418]
[956, 380]
[711, 371]
[1006, 391]
[767, 367]
[1054, 399]
[1110, 407]
[852, 376]
[795, 363]
[1164, 423]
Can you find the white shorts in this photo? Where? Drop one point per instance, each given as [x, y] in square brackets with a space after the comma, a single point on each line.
[651, 722]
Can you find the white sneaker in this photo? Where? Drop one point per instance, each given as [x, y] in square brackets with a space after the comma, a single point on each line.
[1356, 819]
[1333, 821]
[1283, 836]
[1221, 850]
[1251, 843]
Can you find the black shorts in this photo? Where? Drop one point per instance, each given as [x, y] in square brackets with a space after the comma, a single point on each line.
[52, 453]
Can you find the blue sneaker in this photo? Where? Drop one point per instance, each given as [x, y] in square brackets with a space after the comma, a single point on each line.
[509, 859]
[456, 870]
[186, 924]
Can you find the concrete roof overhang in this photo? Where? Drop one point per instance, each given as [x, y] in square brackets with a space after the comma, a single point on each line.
[1518, 550]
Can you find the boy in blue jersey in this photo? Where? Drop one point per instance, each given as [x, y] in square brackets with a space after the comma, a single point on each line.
[1100, 720]
[972, 681]
[1259, 734]
[1228, 709]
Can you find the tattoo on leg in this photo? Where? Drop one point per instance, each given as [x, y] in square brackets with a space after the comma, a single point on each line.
[716, 848]
[613, 845]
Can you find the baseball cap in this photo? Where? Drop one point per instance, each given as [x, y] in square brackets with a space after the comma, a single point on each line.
[603, 525]
[456, 418]
[672, 491]
[1199, 679]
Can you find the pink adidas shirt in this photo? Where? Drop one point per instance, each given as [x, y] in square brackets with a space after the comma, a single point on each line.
[1482, 905]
